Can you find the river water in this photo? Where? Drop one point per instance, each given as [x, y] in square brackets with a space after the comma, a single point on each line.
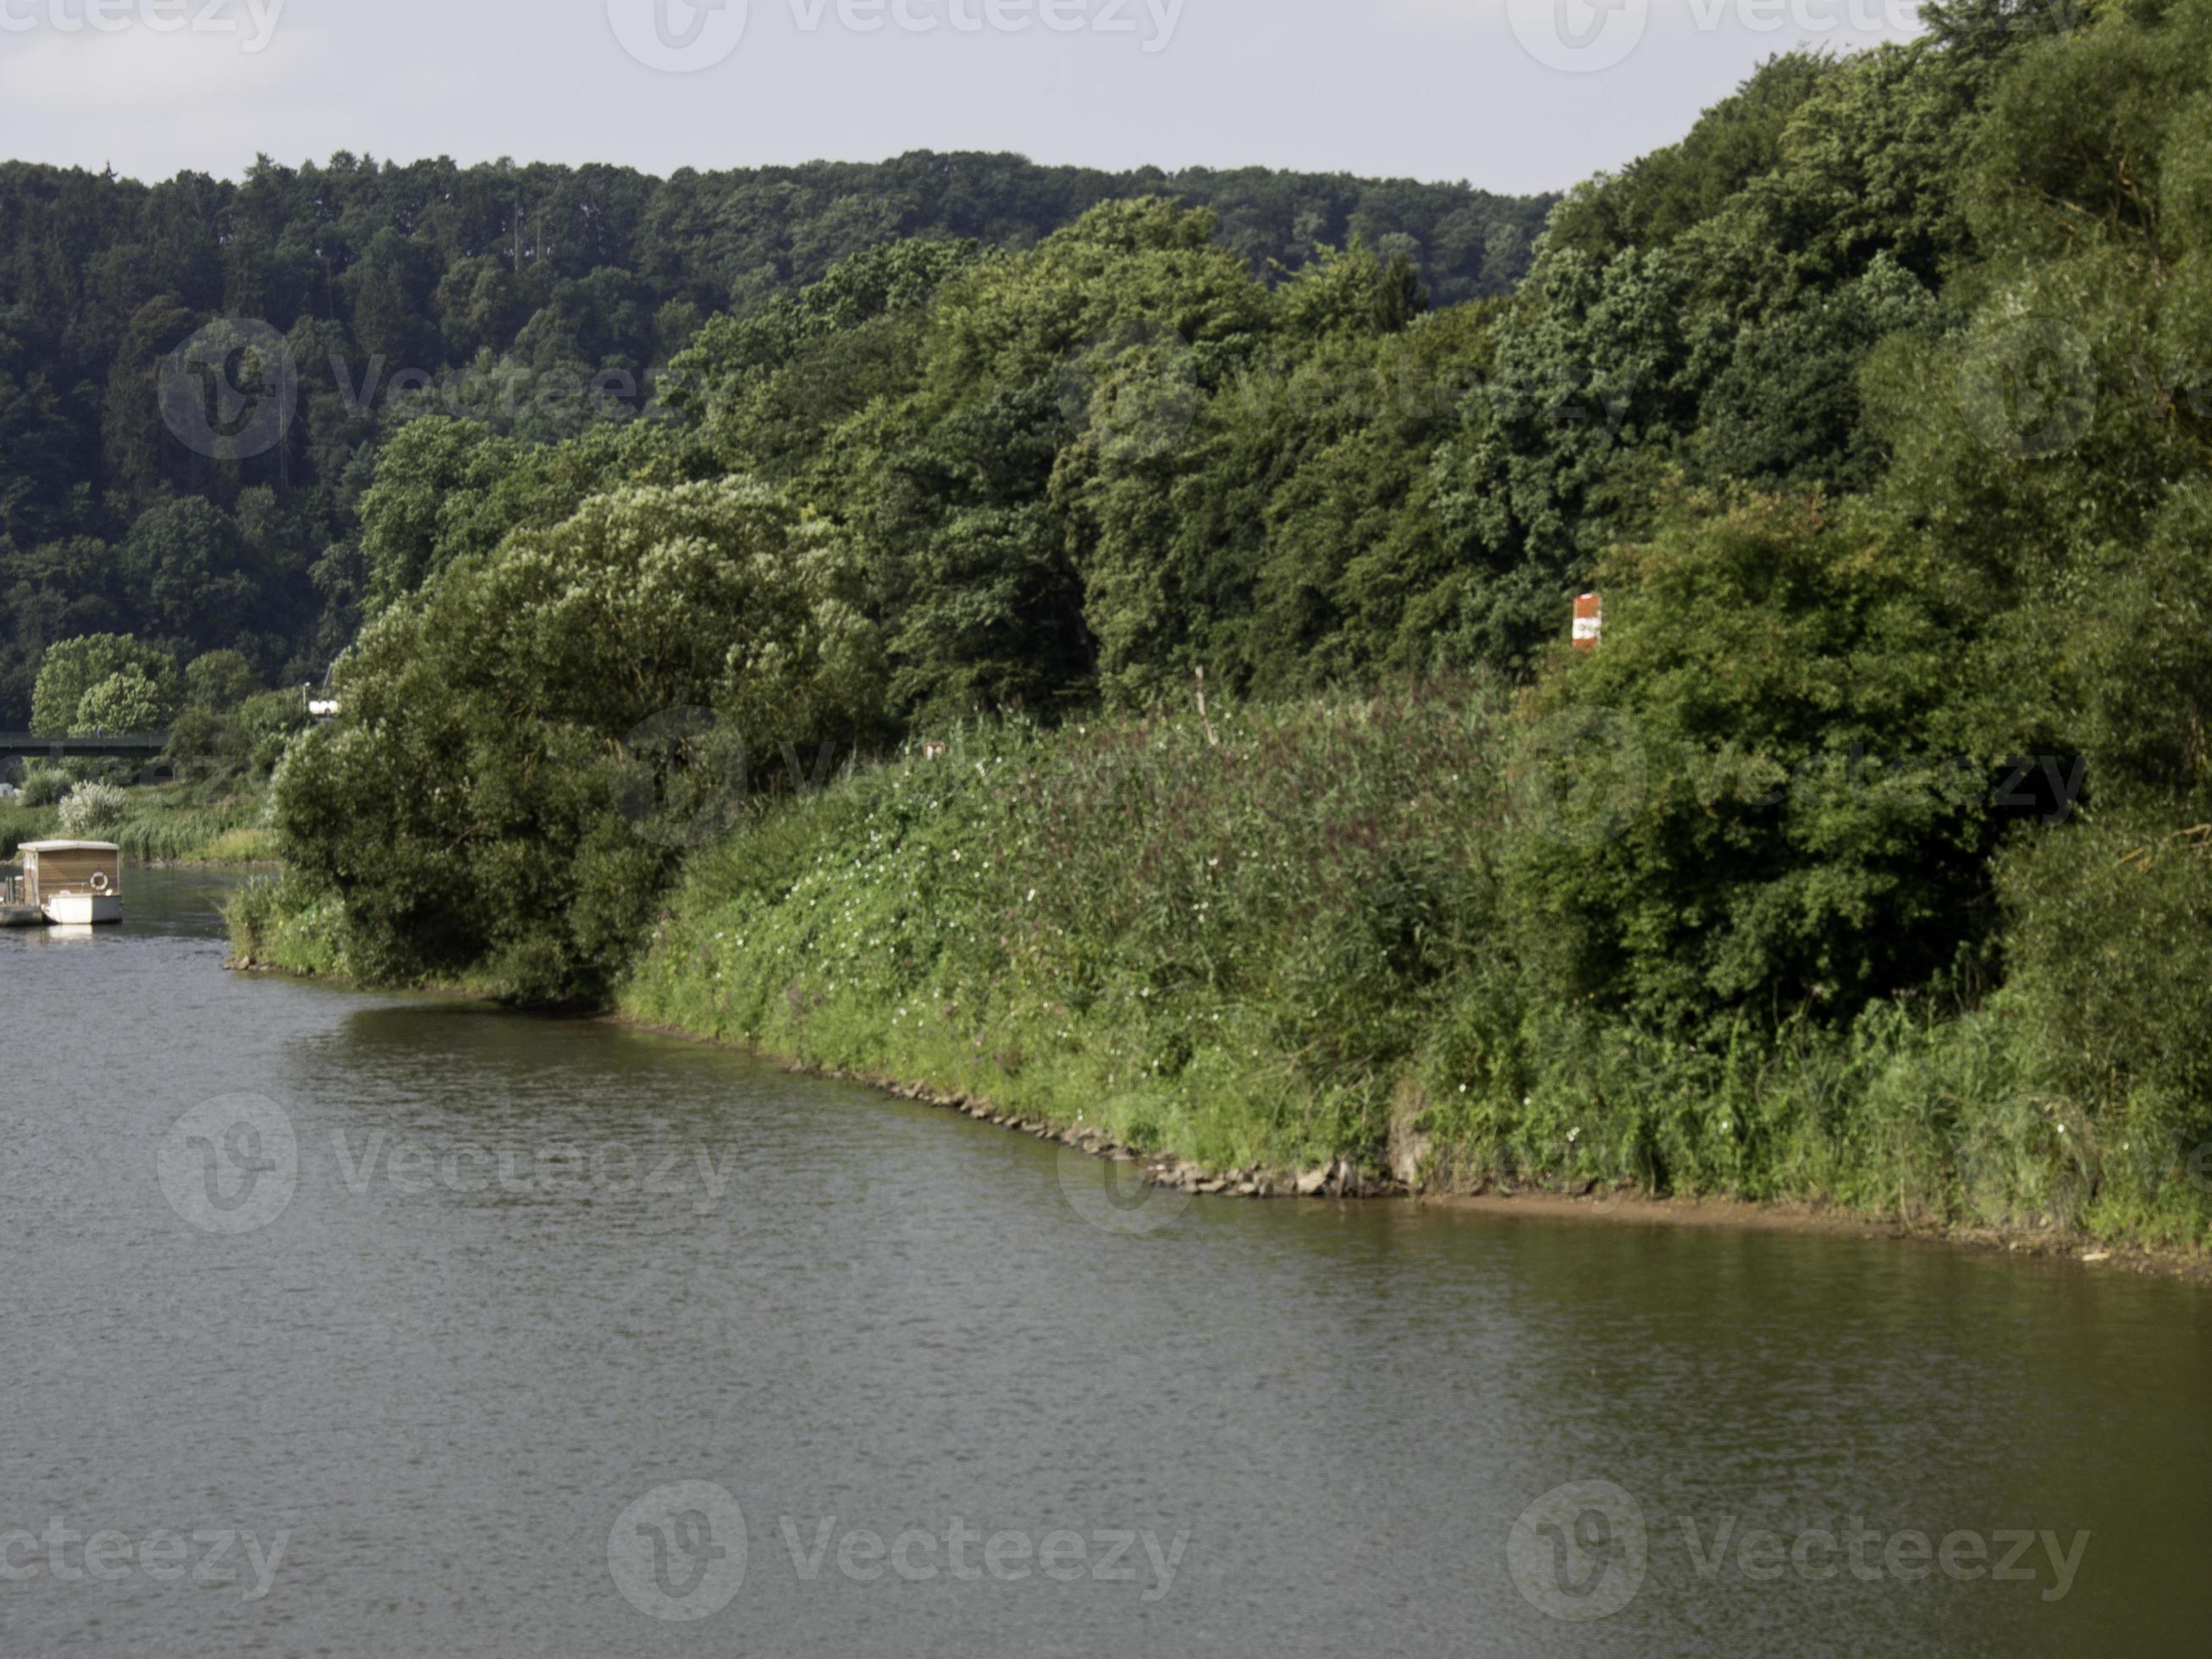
[343, 1325]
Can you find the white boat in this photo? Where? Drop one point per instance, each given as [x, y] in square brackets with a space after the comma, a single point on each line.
[73, 884]
[83, 909]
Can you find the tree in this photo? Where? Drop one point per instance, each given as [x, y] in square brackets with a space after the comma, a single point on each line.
[474, 805]
[126, 702]
[73, 668]
[219, 681]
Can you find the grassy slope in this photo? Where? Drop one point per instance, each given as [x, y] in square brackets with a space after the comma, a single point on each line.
[1294, 944]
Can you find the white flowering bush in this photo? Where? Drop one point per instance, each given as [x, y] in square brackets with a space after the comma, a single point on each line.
[92, 808]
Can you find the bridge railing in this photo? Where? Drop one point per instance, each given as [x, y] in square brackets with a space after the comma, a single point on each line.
[115, 742]
[87, 743]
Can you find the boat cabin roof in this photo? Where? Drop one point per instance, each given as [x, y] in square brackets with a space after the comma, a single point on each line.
[68, 847]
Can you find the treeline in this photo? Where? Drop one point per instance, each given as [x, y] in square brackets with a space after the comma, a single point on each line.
[541, 299]
[1877, 410]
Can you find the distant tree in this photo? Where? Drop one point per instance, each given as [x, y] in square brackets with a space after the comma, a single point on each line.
[219, 681]
[128, 702]
[73, 668]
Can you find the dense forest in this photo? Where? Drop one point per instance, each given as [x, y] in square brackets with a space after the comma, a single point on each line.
[538, 300]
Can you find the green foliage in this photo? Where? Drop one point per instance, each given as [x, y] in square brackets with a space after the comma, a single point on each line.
[1220, 935]
[467, 806]
[541, 302]
[45, 786]
[1755, 795]
[2111, 946]
[1877, 410]
[128, 701]
[84, 680]
[1279, 936]
[219, 681]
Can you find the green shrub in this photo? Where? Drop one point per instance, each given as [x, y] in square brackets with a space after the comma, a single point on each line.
[45, 786]
[1750, 797]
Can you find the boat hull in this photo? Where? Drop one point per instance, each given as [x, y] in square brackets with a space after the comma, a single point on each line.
[83, 909]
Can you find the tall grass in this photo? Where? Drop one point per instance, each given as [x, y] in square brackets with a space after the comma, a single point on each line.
[20, 823]
[173, 824]
[1285, 938]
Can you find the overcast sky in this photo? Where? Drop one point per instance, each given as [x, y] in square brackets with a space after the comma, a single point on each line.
[1510, 94]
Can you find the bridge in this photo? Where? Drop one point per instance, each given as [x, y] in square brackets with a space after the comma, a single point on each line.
[125, 745]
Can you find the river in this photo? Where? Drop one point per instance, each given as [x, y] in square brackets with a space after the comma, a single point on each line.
[337, 1324]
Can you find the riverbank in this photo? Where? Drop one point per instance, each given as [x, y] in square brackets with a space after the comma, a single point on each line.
[1581, 1200]
[1249, 949]
[181, 823]
[297, 951]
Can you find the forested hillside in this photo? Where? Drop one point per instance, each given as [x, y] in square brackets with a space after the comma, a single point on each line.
[1867, 854]
[539, 299]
